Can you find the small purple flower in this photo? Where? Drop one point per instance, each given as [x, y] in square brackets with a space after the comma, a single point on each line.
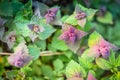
[35, 28]
[102, 48]
[80, 15]
[71, 35]
[21, 57]
[10, 39]
[51, 14]
[91, 77]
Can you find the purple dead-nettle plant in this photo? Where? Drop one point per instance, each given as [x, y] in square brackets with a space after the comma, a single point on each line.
[36, 29]
[40, 9]
[71, 34]
[101, 48]
[72, 37]
[11, 39]
[51, 14]
[20, 58]
[80, 16]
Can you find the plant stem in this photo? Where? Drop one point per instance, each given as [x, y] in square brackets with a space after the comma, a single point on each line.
[43, 53]
[50, 53]
[5, 53]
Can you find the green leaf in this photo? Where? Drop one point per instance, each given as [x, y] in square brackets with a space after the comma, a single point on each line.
[47, 71]
[16, 6]
[88, 26]
[41, 8]
[19, 39]
[90, 13]
[104, 64]
[26, 69]
[118, 75]
[23, 28]
[51, 48]
[1, 67]
[99, 28]
[114, 31]
[58, 44]
[68, 54]
[85, 63]
[48, 30]
[64, 18]
[94, 39]
[112, 58]
[41, 44]
[82, 22]
[22, 19]
[11, 74]
[71, 20]
[85, 55]
[1, 78]
[82, 7]
[73, 69]
[34, 51]
[117, 61]
[6, 9]
[106, 19]
[58, 64]
[35, 19]
[26, 10]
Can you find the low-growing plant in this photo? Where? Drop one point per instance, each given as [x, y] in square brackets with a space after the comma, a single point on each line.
[41, 44]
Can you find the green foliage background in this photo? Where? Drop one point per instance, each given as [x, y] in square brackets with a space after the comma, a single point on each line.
[54, 67]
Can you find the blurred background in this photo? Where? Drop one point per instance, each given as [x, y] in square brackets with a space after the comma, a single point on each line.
[106, 22]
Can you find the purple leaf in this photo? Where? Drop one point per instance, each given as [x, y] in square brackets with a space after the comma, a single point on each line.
[40, 9]
[20, 58]
[79, 13]
[102, 48]
[2, 21]
[36, 29]
[80, 16]
[11, 39]
[2, 30]
[91, 77]
[72, 37]
[82, 22]
[51, 14]
[78, 9]
[33, 36]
